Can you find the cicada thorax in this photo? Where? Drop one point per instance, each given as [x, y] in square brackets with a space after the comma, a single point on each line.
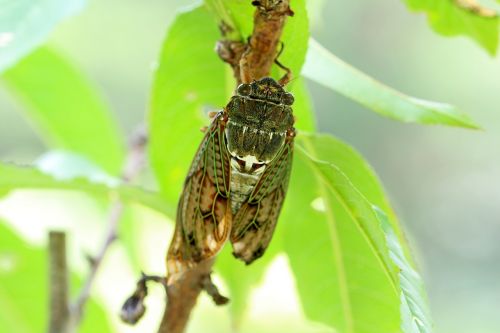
[238, 179]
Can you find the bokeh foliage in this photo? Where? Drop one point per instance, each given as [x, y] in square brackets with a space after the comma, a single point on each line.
[344, 244]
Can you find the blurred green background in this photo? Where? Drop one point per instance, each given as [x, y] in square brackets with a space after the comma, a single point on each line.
[443, 182]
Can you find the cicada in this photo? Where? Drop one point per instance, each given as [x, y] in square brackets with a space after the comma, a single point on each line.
[238, 179]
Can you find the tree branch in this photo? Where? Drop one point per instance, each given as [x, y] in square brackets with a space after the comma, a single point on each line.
[58, 277]
[253, 60]
[181, 297]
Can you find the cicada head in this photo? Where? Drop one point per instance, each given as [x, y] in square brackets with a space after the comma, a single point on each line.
[259, 119]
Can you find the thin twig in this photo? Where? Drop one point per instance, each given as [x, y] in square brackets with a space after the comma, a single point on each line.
[77, 307]
[134, 164]
[58, 271]
[213, 291]
[249, 62]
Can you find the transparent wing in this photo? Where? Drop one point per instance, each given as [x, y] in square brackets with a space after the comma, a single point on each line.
[253, 225]
[204, 211]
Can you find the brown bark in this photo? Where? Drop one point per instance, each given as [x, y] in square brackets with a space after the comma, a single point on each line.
[261, 50]
[253, 60]
[181, 298]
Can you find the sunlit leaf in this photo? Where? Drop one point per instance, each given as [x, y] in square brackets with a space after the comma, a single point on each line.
[461, 17]
[65, 166]
[341, 275]
[325, 68]
[65, 108]
[25, 24]
[415, 316]
[359, 172]
[302, 110]
[190, 81]
[241, 278]
[23, 177]
[337, 249]
[24, 289]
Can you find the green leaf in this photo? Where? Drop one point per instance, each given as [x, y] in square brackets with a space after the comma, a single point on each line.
[352, 288]
[24, 289]
[414, 312]
[325, 68]
[332, 230]
[189, 81]
[16, 178]
[241, 278]
[302, 110]
[359, 172]
[65, 108]
[237, 15]
[461, 17]
[295, 39]
[25, 24]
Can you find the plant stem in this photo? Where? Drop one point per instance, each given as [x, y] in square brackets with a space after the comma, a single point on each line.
[77, 307]
[253, 60]
[261, 51]
[182, 297]
[59, 295]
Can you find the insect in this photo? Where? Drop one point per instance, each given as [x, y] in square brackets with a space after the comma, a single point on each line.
[238, 179]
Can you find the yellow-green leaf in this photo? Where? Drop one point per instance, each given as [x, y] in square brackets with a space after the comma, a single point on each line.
[325, 68]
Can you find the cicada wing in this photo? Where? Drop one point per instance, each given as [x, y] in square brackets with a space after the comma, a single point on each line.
[204, 211]
[254, 223]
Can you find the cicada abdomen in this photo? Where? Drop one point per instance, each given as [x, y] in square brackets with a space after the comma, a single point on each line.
[238, 179]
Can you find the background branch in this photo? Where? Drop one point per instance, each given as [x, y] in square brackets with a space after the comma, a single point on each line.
[133, 166]
[58, 278]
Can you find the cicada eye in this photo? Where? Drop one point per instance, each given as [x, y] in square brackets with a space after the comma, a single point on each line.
[287, 99]
[244, 89]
